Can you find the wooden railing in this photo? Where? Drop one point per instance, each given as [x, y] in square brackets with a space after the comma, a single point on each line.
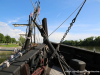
[91, 58]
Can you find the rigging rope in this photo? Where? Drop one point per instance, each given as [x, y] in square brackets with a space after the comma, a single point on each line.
[65, 36]
[38, 19]
[38, 40]
[61, 66]
[40, 24]
[71, 24]
[59, 59]
[66, 19]
[32, 3]
[37, 36]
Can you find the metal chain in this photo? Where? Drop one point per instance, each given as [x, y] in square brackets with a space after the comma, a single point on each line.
[62, 40]
[66, 19]
[66, 32]
[71, 24]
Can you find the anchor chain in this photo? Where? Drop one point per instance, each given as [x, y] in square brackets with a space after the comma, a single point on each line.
[71, 24]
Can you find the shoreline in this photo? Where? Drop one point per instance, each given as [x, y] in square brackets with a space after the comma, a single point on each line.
[11, 48]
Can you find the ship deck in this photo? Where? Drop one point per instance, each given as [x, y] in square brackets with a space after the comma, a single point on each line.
[56, 71]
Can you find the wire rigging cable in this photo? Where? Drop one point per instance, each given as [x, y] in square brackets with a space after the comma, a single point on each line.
[57, 48]
[32, 3]
[66, 19]
[61, 66]
[38, 38]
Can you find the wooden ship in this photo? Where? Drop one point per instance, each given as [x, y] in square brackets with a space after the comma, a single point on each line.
[50, 58]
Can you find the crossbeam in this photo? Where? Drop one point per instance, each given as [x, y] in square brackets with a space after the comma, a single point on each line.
[17, 25]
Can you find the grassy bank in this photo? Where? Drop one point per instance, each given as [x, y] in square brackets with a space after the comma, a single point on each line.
[9, 45]
[5, 55]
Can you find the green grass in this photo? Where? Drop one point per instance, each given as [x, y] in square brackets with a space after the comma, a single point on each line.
[2, 60]
[9, 45]
[4, 53]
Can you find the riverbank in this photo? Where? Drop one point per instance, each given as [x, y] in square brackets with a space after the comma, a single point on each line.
[4, 55]
[91, 48]
[11, 48]
[9, 45]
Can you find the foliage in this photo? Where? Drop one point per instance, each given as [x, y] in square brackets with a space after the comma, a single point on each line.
[13, 40]
[21, 40]
[8, 39]
[2, 38]
[90, 41]
[17, 42]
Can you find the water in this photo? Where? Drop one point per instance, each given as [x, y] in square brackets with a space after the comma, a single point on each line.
[4, 55]
[92, 48]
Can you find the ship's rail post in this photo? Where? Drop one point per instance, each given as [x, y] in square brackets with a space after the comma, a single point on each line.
[48, 67]
[44, 25]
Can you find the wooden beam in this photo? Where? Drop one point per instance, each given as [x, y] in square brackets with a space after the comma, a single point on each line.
[17, 25]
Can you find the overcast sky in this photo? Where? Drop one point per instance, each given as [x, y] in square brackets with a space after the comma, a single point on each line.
[56, 11]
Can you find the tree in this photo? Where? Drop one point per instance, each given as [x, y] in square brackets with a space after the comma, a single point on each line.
[8, 39]
[21, 40]
[97, 41]
[13, 40]
[2, 38]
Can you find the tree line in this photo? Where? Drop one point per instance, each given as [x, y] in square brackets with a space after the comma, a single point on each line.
[90, 41]
[6, 39]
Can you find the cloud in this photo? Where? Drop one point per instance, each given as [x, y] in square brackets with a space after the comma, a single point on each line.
[57, 36]
[16, 20]
[6, 29]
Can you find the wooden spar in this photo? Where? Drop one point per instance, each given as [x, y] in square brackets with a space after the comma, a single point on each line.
[34, 34]
[17, 25]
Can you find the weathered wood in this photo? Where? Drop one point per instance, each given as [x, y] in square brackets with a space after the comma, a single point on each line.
[44, 24]
[25, 70]
[34, 34]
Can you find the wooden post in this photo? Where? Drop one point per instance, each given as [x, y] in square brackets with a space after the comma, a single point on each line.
[34, 33]
[44, 24]
[29, 34]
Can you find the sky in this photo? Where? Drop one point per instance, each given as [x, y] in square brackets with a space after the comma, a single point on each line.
[87, 23]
